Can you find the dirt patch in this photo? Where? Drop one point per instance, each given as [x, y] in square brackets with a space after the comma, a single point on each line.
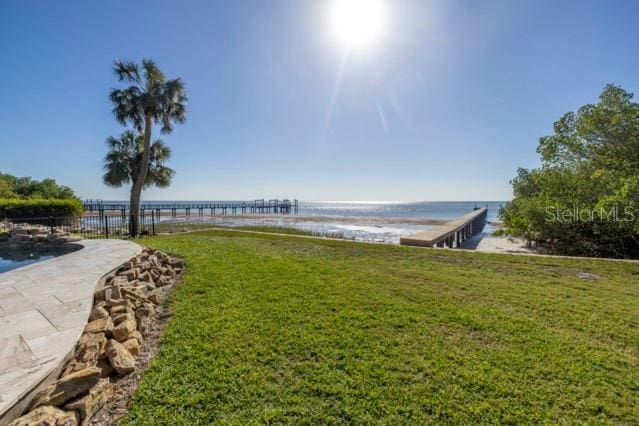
[460, 336]
[588, 276]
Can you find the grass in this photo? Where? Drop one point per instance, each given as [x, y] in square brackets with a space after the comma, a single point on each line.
[279, 329]
[178, 227]
[189, 227]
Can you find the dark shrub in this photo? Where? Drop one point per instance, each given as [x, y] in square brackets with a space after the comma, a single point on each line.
[35, 208]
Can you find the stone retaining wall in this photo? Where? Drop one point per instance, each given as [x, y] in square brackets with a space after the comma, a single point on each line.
[124, 307]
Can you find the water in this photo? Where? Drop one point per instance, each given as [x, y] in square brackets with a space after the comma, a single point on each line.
[443, 210]
[15, 257]
[364, 221]
[337, 227]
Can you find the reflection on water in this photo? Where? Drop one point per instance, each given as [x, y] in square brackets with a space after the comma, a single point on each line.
[379, 232]
[387, 233]
[447, 210]
[367, 221]
[12, 257]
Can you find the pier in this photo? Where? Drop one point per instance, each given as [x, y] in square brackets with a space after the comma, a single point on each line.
[451, 234]
[276, 206]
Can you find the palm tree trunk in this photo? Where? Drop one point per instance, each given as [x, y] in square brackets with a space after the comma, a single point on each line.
[138, 184]
[134, 210]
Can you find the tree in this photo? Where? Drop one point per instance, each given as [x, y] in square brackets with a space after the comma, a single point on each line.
[6, 189]
[150, 99]
[584, 199]
[28, 188]
[123, 161]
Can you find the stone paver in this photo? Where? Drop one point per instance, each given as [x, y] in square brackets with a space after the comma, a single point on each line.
[43, 310]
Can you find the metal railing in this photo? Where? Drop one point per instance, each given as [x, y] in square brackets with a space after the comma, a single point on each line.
[87, 226]
[274, 206]
[115, 223]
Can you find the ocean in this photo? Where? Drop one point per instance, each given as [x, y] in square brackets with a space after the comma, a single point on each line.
[386, 221]
[364, 221]
[442, 210]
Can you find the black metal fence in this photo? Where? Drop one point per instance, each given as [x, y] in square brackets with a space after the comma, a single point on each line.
[112, 224]
[101, 225]
[186, 209]
[115, 223]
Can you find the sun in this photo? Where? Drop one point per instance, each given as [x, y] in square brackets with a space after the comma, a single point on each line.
[358, 23]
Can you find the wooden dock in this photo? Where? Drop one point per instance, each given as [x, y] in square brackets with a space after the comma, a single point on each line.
[451, 234]
[275, 206]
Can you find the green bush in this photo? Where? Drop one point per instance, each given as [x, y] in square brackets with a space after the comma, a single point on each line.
[36, 208]
[29, 188]
[584, 199]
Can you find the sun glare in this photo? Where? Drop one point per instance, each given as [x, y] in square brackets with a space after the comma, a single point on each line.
[358, 23]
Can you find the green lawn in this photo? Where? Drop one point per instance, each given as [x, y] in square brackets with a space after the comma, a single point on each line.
[178, 227]
[282, 329]
[187, 227]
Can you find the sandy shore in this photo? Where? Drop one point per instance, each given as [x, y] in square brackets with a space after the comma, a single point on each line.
[295, 218]
[490, 243]
[484, 242]
[493, 244]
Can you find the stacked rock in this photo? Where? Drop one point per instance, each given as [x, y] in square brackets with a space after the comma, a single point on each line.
[122, 315]
[36, 234]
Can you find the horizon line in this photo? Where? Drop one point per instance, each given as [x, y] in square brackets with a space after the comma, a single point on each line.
[307, 201]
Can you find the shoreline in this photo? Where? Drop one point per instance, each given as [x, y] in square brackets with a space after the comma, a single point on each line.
[293, 218]
[490, 243]
[483, 242]
[358, 228]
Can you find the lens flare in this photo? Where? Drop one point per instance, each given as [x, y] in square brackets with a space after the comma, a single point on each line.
[358, 23]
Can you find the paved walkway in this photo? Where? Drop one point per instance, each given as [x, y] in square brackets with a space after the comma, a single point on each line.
[43, 310]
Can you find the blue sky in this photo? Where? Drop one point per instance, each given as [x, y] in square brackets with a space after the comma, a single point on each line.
[444, 106]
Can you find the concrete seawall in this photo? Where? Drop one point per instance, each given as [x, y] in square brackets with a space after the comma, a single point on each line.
[451, 234]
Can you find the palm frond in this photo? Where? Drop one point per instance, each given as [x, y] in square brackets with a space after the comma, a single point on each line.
[159, 176]
[123, 161]
[127, 106]
[152, 73]
[150, 94]
[172, 104]
[127, 71]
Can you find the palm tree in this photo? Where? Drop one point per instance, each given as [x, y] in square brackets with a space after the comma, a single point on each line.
[123, 161]
[149, 99]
